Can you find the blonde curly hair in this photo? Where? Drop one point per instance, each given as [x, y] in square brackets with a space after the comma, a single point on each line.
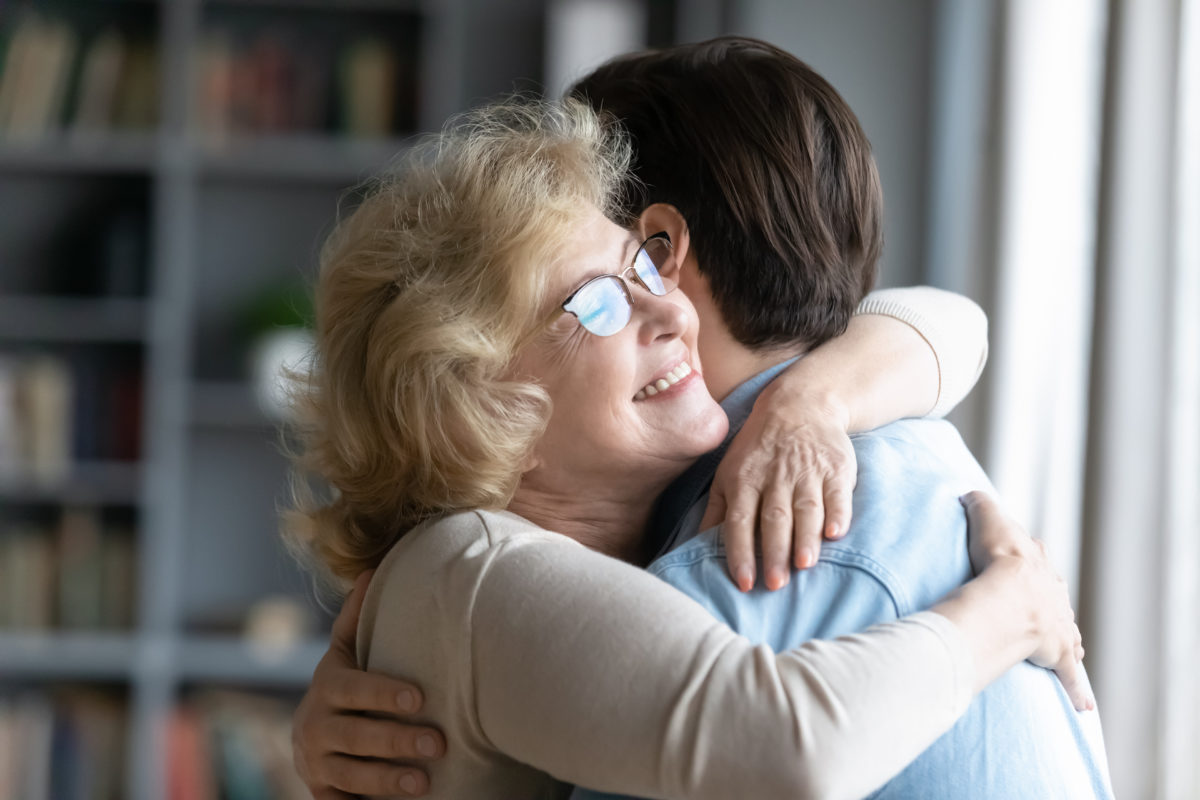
[426, 290]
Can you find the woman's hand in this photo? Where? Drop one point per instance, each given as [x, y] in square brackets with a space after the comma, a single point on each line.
[790, 469]
[1022, 603]
[332, 741]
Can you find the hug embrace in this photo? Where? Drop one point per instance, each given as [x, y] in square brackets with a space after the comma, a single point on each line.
[655, 489]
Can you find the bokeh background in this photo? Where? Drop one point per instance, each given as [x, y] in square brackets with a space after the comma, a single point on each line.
[168, 169]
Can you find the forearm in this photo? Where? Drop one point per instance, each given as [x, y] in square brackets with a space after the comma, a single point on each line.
[878, 371]
[907, 353]
[679, 706]
[997, 627]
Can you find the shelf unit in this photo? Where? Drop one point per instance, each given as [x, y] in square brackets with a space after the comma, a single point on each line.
[223, 217]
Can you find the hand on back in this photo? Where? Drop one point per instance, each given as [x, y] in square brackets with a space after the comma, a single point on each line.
[789, 474]
[349, 731]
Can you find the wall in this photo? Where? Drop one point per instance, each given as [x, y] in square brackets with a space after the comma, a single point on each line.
[878, 55]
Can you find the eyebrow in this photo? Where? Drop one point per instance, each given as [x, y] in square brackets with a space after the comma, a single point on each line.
[627, 252]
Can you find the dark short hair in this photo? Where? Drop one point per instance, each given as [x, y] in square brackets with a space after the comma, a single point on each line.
[770, 169]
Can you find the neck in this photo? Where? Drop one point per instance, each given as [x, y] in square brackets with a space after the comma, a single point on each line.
[728, 363]
[611, 525]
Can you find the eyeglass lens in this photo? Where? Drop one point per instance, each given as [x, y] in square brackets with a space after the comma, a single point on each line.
[604, 306]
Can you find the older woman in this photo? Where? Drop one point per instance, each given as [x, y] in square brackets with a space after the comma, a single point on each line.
[480, 405]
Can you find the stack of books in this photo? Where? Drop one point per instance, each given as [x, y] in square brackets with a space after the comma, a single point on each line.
[53, 78]
[279, 81]
[56, 412]
[80, 574]
[225, 745]
[69, 745]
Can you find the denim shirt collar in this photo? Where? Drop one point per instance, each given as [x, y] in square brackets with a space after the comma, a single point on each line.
[684, 491]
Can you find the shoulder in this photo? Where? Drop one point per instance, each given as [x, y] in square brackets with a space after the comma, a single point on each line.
[906, 516]
[468, 534]
[907, 434]
[843, 592]
[438, 569]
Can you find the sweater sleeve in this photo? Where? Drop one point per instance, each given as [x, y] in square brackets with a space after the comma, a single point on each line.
[599, 674]
[955, 328]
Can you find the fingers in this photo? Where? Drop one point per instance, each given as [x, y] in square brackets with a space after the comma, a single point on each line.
[714, 512]
[738, 533]
[345, 627]
[364, 737]
[838, 508]
[358, 777]
[776, 526]
[355, 690]
[808, 524]
[990, 532]
[1072, 679]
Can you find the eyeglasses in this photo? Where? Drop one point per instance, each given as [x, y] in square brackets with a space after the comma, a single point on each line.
[604, 305]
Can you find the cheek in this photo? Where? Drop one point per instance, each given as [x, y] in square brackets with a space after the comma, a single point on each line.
[590, 395]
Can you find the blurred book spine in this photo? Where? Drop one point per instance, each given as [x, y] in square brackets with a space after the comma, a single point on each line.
[234, 746]
[67, 745]
[78, 574]
[56, 76]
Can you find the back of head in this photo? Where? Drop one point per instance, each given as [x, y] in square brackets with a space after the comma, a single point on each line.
[771, 170]
[426, 290]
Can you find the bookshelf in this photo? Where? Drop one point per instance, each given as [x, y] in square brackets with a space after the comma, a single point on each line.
[147, 201]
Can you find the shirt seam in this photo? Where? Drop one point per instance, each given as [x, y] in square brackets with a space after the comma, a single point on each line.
[859, 562]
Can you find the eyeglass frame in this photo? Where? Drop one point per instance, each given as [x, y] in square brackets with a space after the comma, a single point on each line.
[622, 279]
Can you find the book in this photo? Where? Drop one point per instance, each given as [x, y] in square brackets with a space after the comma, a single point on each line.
[137, 94]
[367, 88]
[214, 85]
[16, 67]
[190, 772]
[118, 577]
[26, 578]
[80, 569]
[47, 395]
[45, 55]
[34, 716]
[99, 83]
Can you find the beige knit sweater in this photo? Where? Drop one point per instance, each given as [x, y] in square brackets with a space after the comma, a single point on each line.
[539, 657]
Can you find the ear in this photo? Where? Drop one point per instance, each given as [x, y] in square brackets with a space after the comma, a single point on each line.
[531, 462]
[666, 217]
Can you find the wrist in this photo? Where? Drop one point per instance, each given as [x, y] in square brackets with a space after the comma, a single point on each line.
[997, 618]
[791, 396]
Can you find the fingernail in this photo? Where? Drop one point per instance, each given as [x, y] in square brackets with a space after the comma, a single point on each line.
[833, 531]
[745, 577]
[406, 700]
[426, 746]
[408, 783]
[776, 578]
[806, 559]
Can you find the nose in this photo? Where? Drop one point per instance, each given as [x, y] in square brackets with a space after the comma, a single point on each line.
[659, 318]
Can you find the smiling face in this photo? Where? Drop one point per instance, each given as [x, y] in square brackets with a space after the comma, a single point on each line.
[630, 409]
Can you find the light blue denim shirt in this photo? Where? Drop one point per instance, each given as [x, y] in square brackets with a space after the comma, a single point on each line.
[905, 550]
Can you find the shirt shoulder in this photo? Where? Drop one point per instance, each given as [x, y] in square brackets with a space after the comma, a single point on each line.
[842, 593]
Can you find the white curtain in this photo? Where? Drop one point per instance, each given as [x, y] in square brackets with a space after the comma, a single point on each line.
[1066, 196]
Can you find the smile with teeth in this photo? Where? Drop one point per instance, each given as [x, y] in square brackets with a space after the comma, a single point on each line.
[665, 382]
